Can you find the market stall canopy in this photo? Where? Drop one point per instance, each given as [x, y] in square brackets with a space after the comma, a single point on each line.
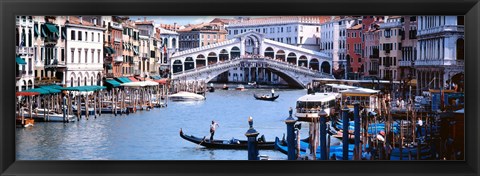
[84, 88]
[43, 91]
[140, 84]
[133, 79]
[112, 82]
[123, 80]
[26, 93]
[162, 81]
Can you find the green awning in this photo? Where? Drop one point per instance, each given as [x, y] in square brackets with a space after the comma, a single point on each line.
[35, 29]
[44, 34]
[20, 61]
[123, 79]
[64, 33]
[109, 50]
[112, 50]
[38, 90]
[84, 88]
[113, 83]
[109, 66]
[52, 28]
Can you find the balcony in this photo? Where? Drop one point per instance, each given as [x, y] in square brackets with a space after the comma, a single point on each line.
[404, 63]
[372, 72]
[447, 28]
[22, 50]
[109, 75]
[459, 63]
[387, 51]
[117, 40]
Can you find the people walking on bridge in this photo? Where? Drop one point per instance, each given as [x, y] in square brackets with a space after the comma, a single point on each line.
[213, 127]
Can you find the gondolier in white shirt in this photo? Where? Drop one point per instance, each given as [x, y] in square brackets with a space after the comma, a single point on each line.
[273, 92]
[213, 127]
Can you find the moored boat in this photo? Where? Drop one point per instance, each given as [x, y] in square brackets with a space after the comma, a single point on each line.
[309, 105]
[240, 87]
[225, 87]
[225, 144]
[186, 96]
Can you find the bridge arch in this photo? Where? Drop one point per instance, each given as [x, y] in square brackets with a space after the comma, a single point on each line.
[281, 55]
[314, 64]
[252, 44]
[189, 63]
[269, 52]
[325, 68]
[303, 61]
[292, 58]
[234, 52]
[223, 56]
[177, 66]
[212, 58]
[200, 61]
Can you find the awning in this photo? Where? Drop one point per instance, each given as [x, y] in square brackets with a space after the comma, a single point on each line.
[42, 91]
[84, 88]
[123, 80]
[135, 50]
[52, 28]
[64, 33]
[109, 66]
[109, 50]
[140, 84]
[112, 82]
[35, 29]
[162, 81]
[133, 79]
[26, 93]
[20, 61]
[44, 34]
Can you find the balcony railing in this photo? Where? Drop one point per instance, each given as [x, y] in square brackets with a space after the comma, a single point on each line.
[118, 59]
[439, 62]
[404, 63]
[447, 28]
[109, 75]
[22, 50]
[117, 40]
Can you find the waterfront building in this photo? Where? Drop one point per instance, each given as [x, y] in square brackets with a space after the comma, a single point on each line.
[409, 50]
[49, 49]
[146, 48]
[440, 52]
[130, 49]
[84, 52]
[24, 33]
[168, 46]
[354, 51]
[390, 48]
[333, 41]
[197, 35]
[301, 31]
[372, 55]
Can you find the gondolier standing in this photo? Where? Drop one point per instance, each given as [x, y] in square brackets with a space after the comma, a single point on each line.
[213, 127]
[273, 92]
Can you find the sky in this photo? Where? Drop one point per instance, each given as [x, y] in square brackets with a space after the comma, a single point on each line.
[181, 20]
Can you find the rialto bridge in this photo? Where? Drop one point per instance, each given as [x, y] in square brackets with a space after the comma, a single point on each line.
[251, 57]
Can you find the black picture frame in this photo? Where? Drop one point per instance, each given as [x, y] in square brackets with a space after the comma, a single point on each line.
[9, 9]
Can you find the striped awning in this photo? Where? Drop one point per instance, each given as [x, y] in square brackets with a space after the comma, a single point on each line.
[52, 28]
[133, 79]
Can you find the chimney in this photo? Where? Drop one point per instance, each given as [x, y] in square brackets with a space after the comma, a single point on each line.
[174, 26]
[144, 18]
[81, 19]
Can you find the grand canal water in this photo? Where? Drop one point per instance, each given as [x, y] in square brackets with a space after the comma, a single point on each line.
[154, 135]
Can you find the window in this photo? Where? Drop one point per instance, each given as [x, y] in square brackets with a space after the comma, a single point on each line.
[301, 28]
[86, 36]
[79, 55]
[93, 56]
[72, 37]
[73, 55]
[98, 55]
[86, 53]
[318, 29]
[79, 36]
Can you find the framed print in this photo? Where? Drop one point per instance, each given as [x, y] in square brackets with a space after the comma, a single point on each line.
[154, 87]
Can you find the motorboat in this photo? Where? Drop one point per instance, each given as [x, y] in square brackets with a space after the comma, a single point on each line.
[240, 87]
[186, 96]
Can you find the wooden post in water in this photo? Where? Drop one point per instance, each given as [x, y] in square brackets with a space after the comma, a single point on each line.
[114, 103]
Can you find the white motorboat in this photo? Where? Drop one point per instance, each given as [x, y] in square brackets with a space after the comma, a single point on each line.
[240, 87]
[186, 96]
[46, 115]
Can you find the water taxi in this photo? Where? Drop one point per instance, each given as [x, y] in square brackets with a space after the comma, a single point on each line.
[186, 96]
[308, 106]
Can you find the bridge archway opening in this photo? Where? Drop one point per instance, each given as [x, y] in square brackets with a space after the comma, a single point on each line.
[252, 45]
[269, 52]
[189, 63]
[325, 67]
[212, 58]
[302, 61]
[223, 56]
[314, 64]
[177, 66]
[235, 52]
[292, 83]
[280, 55]
[292, 58]
[200, 61]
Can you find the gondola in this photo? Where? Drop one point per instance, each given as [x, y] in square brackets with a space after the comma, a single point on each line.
[225, 87]
[266, 97]
[281, 145]
[211, 89]
[225, 144]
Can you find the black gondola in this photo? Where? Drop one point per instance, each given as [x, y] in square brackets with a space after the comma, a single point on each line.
[211, 89]
[226, 144]
[266, 97]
